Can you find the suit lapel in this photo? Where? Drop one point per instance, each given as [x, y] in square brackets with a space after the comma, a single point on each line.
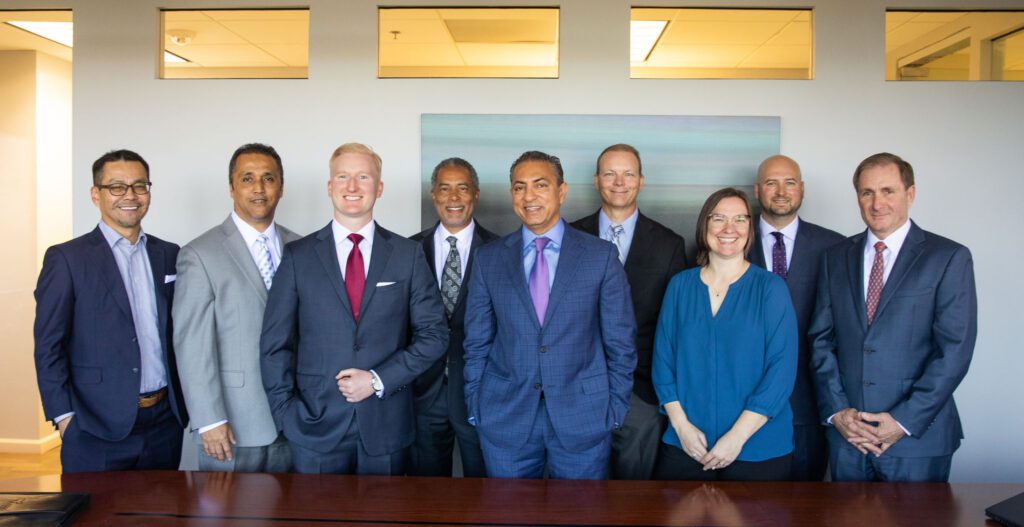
[110, 272]
[638, 249]
[905, 261]
[328, 255]
[757, 250]
[514, 267]
[799, 261]
[428, 248]
[855, 269]
[155, 251]
[474, 244]
[379, 256]
[566, 271]
[235, 247]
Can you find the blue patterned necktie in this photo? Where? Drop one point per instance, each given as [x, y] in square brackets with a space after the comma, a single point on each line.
[779, 256]
[265, 263]
[617, 231]
[451, 279]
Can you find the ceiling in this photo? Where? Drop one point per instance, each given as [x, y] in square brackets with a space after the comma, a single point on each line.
[15, 39]
[265, 38]
[917, 30]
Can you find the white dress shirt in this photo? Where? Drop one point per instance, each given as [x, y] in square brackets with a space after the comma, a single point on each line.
[893, 244]
[464, 239]
[768, 241]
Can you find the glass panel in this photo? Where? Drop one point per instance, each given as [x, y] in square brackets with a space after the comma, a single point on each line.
[689, 43]
[1008, 57]
[235, 44]
[468, 42]
[48, 32]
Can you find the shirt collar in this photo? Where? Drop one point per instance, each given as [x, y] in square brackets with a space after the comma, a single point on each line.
[788, 232]
[341, 232]
[554, 234]
[604, 223]
[893, 242]
[250, 234]
[113, 236]
[464, 237]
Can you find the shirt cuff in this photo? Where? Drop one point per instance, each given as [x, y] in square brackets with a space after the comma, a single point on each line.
[829, 420]
[62, 417]
[905, 431]
[378, 382]
[207, 428]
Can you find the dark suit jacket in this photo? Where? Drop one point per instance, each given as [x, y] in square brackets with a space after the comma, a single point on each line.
[87, 356]
[802, 281]
[309, 335]
[456, 328]
[582, 360]
[917, 350]
[656, 254]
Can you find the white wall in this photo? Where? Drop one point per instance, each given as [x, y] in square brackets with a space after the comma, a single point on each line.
[964, 140]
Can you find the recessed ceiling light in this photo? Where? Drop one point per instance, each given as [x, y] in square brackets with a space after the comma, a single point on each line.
[172, 58]
[59, 32]
[643, 34]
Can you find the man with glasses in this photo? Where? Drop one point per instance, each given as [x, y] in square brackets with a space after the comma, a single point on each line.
[104, 360]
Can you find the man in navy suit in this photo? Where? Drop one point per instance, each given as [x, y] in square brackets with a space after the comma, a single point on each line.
[439, 393]
[352, 318]
[550, 338]
[791, 248]
[104, 360]
[892, 337]
[652, 254]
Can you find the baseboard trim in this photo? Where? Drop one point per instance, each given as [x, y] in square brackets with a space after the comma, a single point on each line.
[29, 446]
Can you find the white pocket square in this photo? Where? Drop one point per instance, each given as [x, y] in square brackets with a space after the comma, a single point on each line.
[385, 284]
[170, 278]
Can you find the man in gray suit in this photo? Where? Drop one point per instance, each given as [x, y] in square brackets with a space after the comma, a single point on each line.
[223, 278]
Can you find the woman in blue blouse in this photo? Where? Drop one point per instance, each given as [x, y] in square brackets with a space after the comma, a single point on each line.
[725, 357]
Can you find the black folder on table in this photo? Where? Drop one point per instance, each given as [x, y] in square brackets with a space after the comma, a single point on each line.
[40, 508]
[1009, 512]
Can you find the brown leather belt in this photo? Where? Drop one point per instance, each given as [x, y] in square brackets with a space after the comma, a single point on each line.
[152, 398]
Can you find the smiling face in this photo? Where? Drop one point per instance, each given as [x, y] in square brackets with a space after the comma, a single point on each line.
[779, 189]
[455, 198]
[256, 188]
[884, 201]
[122, 213]
[728, 229]
[537, 196]
[354, 187]
[619, 181]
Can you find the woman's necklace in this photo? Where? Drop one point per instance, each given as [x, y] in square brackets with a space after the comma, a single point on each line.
[711, 281]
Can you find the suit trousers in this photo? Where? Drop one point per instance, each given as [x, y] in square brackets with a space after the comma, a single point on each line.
[153, 444]
[349, 457]
[544, 447]
[810, 453]
[848, 464]
[635, 445]
[436, 432]
[675, 465]
[275, 457]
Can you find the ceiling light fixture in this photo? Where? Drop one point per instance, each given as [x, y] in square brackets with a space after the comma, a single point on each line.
[59, 32]
[181, 37]
[643, 35]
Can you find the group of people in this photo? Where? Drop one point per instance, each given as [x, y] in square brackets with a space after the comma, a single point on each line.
[582, 350]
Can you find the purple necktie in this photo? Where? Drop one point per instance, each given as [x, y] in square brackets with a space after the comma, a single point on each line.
[875, 281]
[779, 256]
[539, 287]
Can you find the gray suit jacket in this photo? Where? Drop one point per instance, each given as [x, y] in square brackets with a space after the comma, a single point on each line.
[218, 318]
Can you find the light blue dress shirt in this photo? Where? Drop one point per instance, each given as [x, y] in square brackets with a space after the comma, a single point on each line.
[604, 225]
[551, 250]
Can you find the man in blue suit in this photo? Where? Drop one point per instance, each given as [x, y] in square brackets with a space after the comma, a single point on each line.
[550, 338]
[352, 318]
[791, 247]
[103, 353]
[892, 337]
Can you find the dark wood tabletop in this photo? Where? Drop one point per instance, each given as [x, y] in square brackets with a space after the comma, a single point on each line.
[164, 498]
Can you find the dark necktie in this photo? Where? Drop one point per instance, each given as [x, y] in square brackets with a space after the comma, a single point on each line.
[451, 278]
[779, 256]
[355, 279]
[875, 281]
[539, 287]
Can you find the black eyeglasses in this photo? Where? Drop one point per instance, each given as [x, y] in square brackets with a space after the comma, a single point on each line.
[140, 188]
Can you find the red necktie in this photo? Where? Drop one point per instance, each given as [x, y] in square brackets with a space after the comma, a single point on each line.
[355, 280]
[875, 281]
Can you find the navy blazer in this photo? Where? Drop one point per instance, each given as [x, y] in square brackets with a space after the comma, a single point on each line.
[802, 281]
[456, 327]
[656, 254]
[87, 356]
[309, 335]
[582, 359]
[917, 350]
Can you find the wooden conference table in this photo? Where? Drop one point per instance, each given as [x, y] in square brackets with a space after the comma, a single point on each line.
[164, 498]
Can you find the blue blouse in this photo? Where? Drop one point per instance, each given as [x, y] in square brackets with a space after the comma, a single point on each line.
[743, 358]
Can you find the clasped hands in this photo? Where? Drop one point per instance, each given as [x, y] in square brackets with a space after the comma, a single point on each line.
[721, 455]
[868, 432]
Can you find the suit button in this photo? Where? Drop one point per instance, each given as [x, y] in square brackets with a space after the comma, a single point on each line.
[869, 350]
[135, 370]
[135, 339]
[868, 383]
[355, 349]
[536, 386]
[543, 349]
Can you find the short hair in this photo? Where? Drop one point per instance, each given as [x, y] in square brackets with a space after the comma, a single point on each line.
[112, 157]
[255, 148]
[716, 197]
[883, 159]
[534, 155]
[455, 162]
[620, 147]
[357, 148]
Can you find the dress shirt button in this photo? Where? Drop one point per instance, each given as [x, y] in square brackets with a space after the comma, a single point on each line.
[135, 370]
[543, 349]
[536, 386]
